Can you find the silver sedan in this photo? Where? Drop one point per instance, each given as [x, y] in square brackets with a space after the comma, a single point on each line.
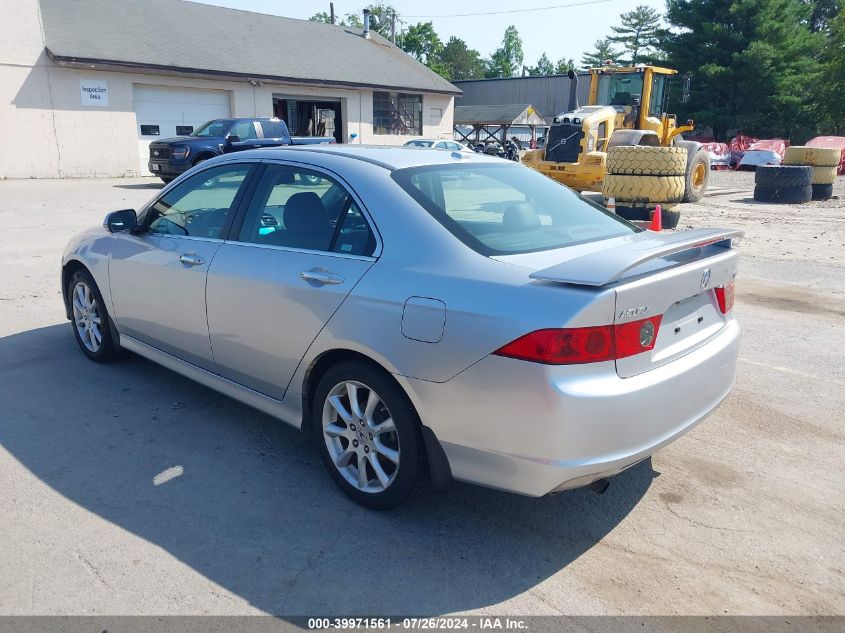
[425, 314]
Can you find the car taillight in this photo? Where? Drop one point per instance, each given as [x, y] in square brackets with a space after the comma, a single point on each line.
[725, 297]
[562, 346]
[572, 346]
[636, 337]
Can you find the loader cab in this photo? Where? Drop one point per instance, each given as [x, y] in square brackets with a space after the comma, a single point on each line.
[637, 93]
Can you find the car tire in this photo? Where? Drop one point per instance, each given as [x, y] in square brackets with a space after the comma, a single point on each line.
[812, 156]
[822, 192]
[167, 181]
[382, 436]
[783, 176]
[697, 177]
[654, 189]
[783, 195]
[92, 326]
[643, 160]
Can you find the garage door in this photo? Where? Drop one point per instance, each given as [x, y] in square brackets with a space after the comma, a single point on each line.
[162, 112]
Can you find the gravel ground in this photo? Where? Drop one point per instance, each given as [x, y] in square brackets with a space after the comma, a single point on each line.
[744, 515]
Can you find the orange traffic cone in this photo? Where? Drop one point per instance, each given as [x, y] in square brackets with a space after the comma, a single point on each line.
[657, 219]
[611, 204]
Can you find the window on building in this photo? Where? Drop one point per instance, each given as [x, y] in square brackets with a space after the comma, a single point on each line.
[397, 113]
[150, 130]
[184, 130]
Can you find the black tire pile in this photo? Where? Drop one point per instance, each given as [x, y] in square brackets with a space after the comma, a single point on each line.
[786, 184]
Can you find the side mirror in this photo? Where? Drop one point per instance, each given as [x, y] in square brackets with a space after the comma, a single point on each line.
[233, 138]
[685, 84]
[123, 220]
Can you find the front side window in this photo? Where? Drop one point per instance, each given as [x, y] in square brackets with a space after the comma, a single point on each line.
[508, 209]
[397, 113]
[299, 208]
[199, 206]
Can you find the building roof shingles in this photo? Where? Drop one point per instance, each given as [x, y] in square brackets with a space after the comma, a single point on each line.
[180, 36]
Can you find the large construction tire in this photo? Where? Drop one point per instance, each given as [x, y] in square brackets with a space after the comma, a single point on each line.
[822, 192]
[783, 195]
[824, 175]
[783, 176]
[697, 176]
[669, 217]
[643, 188]
[641, 160]
[813, 156]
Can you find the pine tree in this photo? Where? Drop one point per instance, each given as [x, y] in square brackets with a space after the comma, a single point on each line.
[638, 35]
[752, 63]
[544, 66]
[603, 51]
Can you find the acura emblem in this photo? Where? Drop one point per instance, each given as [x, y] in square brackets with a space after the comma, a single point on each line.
[705, 278]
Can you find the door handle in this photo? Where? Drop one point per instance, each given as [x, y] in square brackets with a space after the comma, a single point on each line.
[191, 259]
[322, 277]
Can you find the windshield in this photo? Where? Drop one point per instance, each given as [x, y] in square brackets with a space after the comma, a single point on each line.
[419, 143]
[619, 88]
[217, 127]
[508, 209]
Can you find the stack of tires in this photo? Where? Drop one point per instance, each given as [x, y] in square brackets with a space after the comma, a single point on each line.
[785, 184]
[641, 176]
[824, 162]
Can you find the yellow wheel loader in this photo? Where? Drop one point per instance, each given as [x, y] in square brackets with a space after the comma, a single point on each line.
[627, 107]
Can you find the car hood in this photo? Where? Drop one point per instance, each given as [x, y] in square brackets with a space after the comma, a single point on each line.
[188, 140]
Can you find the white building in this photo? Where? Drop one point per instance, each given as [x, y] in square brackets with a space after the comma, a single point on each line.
[85, 85]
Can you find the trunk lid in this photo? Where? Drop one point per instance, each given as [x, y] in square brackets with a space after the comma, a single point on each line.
[673, 275]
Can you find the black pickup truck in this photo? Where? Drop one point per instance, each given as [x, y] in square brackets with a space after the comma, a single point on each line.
[170, 157]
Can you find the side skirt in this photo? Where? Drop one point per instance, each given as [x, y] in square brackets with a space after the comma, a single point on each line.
[288, 410]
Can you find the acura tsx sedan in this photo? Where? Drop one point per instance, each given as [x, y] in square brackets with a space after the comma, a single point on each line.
[425, 314]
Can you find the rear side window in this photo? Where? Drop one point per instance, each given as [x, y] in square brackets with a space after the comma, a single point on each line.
[304, 209]
[508, 209]
[271, 129]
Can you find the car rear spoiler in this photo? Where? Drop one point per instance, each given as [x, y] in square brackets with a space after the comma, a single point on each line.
[607, 266]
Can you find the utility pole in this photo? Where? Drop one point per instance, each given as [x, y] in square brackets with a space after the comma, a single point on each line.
[331, 11]
[393, 26]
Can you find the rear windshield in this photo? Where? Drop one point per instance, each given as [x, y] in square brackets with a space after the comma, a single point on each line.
[506, 209]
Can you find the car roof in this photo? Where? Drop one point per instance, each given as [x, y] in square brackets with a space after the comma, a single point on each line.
[387, 156]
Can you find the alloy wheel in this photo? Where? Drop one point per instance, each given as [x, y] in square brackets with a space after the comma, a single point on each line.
[86, 317]
[361, 436]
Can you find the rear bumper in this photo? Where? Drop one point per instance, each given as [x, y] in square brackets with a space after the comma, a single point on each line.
[534, 429]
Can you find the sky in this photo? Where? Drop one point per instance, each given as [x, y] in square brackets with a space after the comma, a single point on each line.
[559, 32]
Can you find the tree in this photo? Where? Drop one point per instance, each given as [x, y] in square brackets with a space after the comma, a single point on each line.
[563, 66]
[351, 19]
[422, 42]
[544, 66]
[823, 13]
[458, 61]
[507, 60]
[602, 52]
[752, 63]
[639, 33]
[832, 77]
[322, 16]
